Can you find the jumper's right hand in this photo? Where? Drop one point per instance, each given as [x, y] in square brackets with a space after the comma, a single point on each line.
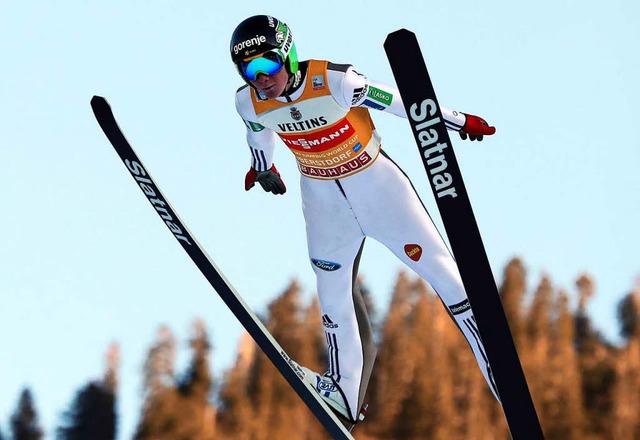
[270, 180]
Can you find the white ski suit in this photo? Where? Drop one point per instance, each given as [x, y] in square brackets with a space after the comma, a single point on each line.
[352, 190]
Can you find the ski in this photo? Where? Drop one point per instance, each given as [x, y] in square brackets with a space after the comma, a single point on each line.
[287, 368]
[436, 150]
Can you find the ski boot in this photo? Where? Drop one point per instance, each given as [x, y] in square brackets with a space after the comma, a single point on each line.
[332, 396]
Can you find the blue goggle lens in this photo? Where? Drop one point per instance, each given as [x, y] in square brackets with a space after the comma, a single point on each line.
[267, 64]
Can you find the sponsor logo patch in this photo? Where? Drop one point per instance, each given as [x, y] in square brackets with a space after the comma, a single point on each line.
[325, 386]
[320, 140]
[380, 96]
[358, 94]
[255, 41]
[329, 266]
[461, 307]
[306, 125]
[358, 147]
[254, 126]
[413, 251]
[369, 103]
[288, 43]
[317, 82]
[346, 168]
[296, 115]
[327, 322]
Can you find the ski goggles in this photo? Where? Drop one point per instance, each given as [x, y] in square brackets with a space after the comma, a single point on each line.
[268, 63]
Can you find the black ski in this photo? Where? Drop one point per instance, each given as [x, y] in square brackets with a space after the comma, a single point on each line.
[232, 299]
[443, 173]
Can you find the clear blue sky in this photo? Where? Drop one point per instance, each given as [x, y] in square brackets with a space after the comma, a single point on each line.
[84, 260]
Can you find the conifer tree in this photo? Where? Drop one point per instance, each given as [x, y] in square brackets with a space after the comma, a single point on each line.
[585, 334]
[391, 378]
[178, 410]
[629, 316]
[196, 414]
[539, 316]
[161, 398]
[596, 361]
[92, 415]
[536, 365]
[565, 375]
[626, 393]
[235, 418]
[587, 339]
[198, 381]
[24, 421]
[512, 293]
[418, 415]
[159, 370]
[112, 358]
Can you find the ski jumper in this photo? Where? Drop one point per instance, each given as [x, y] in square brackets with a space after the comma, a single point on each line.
[352, 190]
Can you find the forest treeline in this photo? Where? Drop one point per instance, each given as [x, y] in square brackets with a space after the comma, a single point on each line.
[426, 382]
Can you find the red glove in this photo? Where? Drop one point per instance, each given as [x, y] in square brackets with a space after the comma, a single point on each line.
[270, 180]
[475, 127]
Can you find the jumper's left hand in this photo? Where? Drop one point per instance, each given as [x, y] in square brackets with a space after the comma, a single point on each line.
[475, 128]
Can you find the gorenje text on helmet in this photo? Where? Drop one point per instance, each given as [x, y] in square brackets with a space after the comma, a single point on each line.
[255, 41]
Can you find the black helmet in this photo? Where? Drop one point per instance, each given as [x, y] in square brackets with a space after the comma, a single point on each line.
[263, 33]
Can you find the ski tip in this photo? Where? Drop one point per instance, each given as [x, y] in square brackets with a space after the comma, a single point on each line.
[98, 100]
[399, 34]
